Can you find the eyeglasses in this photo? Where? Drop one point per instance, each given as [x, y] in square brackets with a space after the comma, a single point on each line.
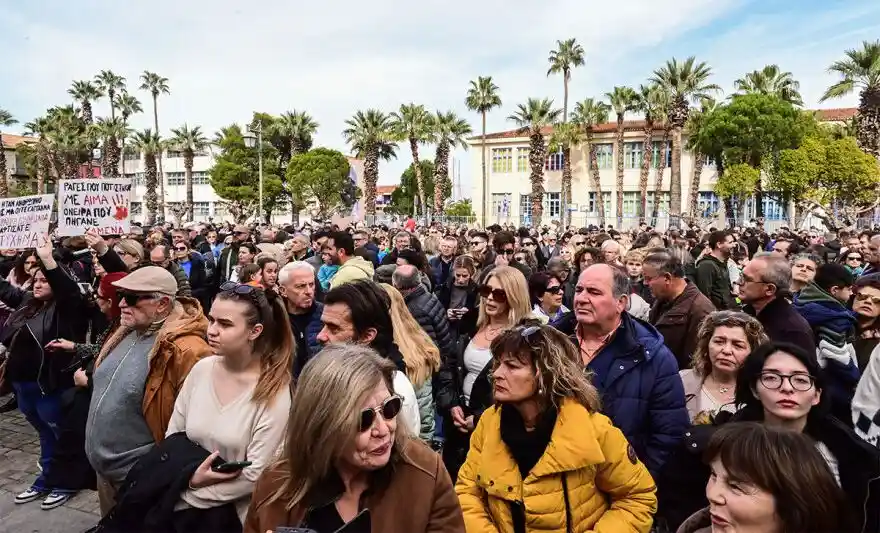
[132, 298]
[528, 243]
[476, 243]
[499, 295]
[389, 409]
[553, 290]
[854, 258]
[799, 382]
[578, 243]
[868, 298]
[180, 248]
[507, 252]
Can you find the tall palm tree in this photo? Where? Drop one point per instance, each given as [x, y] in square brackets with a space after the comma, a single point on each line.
[110, 131]
[148, 143]
[370, 136]
[448, 132]
[532, 117]
[156, 85]
[40, 128]
[189, 141]
[861, 70]
[302, 131]
[695, 122]
[483, 97]
[650, 103]
[69, 139]
[663, 119]
[568, 54]
[413, 123]
[565, 136]
[622, 99]
[685, 82]
[128, 105]
[6, 119]
[771, 80]
[84, 93]
[110, 84]
[588, 114]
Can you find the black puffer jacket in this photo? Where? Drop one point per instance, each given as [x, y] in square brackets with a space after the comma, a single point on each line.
[430, 314]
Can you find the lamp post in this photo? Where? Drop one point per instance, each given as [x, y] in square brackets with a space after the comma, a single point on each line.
[250, 141]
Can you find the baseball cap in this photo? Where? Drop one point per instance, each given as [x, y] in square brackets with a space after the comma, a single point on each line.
[149, 279]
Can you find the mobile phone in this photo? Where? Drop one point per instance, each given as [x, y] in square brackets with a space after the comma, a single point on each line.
[231, 466]
[285, 529]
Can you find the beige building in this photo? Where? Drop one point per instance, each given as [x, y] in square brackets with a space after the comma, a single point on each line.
[15, 169]
[509, 188]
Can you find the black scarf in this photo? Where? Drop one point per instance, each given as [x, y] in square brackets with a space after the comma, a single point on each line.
[526, 447]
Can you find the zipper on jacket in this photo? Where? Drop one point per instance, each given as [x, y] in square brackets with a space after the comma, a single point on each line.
[42, 357]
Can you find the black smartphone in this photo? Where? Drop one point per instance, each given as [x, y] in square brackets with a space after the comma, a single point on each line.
[285, 529]
[230, 466]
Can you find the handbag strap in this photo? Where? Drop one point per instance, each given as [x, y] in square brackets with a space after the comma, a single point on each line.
[568, 525]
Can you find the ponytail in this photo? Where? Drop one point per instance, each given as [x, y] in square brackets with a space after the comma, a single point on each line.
[275, 348]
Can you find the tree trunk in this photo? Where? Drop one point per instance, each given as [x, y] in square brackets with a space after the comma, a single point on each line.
[565, 76]
[441, 174]
[110, 158]
[187, 176]
[111, 95]
[619, 159]
[566, 184]
[699, 160]
[868, 126]
[371, 177]
[417, 169]
[4, 174]
[597, 182]
[658, 178]
[537, 155]
[485, 177]
[160, 206]
[675, 175]
[647, 156]
[150, 196]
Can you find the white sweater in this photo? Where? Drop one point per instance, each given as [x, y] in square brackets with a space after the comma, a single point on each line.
[241, 431]
[410, 412]
[866, 402]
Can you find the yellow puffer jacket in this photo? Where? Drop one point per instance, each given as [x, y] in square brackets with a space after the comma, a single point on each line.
[609, 489]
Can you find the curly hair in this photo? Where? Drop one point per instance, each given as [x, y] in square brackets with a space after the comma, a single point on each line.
[555, 359]
[753, 329]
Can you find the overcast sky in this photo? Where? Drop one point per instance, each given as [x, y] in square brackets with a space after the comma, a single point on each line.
[226, 59]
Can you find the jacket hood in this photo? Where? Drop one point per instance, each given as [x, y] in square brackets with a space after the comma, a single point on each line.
[821, 309]
[358, 262]
[699, 522]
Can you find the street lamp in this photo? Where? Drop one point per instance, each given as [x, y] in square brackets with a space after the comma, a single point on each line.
[250, 142]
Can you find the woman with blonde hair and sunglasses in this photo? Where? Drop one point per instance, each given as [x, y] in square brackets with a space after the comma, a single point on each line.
[420, 355]
[346, 464]
[464, 390]
[544, 455]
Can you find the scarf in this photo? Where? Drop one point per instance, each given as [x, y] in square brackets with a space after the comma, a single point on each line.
[526, 447]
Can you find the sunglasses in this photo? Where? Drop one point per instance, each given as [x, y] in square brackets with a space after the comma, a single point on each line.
[180, 248]
[389, 409]
[553, 290]
[476, 243]
[132, 298]
[237, 288]
[868, 298]
[508, 252]
[497, 294]
[853, 258]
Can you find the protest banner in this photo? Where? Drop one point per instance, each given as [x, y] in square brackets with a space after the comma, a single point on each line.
[102, 204]
[24, 220]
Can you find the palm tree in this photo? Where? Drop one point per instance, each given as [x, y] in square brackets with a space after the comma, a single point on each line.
[695, 122]
[685, 82]
[110, 131]
[861, 70]
[156, 85]
[110, 84]
[622, 99]
[189, 141]
[565, 136]
[413, 123]
[650, 103]
[588, 114]
[449, 132]
[532, 117]
[6, 119]
[128, 105]
[568, 54]
[661, 118]
[483, 97]
[370, 136]
[40, 128]
[770, 80]
[84, 93]
[148, 143]
[68, 138]
[302, 131]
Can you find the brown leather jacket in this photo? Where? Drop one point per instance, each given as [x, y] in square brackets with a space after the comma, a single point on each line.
[180, 342]
[419, 498]
[679, 322]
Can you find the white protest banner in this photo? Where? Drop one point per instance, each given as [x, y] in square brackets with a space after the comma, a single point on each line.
[102, 204]
[24, 219]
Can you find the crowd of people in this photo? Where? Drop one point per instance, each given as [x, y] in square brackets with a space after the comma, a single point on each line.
[229, 378]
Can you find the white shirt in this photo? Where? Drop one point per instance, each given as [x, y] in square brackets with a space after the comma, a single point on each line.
[475, 360]
[410, 412]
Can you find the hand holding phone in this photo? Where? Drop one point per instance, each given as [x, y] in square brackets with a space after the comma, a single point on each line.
[231, 466]
[205, 475]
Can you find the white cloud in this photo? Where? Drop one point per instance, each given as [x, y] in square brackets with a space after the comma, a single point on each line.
[225, 58]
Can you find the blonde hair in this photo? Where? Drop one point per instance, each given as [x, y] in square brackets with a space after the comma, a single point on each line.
[514, 285]
[325, 415]
[636, 255]
[132, 248]
[421, 355]
[753, 329]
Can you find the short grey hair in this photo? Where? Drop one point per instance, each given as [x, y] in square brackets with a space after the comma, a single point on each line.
[287, 271]
[665, 262]
[777, 271]
[620, 283]
[406, 277]
[808, 256]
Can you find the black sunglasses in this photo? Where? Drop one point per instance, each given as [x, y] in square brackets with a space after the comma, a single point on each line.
[497, 294]
[389, 409]
[180, 248]
[508, 252]
[553, 290]
[132, 298]
[476, 243]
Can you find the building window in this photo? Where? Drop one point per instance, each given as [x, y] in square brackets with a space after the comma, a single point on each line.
[655, 158]
[630, 203]
[632, 155]
[173, 154]
[219, 209]
[552, 204]
[522, 159]
[605, 156]
[137, 208]
[773, 210]
[502, 160]
[664, 202]
[708, 204]
[554, 161]
[593, 206]
[175, 178]
[525, 208]
[709, 162]
[131, 155]
[500, 204]
[201, 178]
[201, 209]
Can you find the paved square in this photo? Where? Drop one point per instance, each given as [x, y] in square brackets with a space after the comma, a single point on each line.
[19, 456]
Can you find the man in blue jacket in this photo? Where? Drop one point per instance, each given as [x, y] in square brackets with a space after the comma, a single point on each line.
[635, 372]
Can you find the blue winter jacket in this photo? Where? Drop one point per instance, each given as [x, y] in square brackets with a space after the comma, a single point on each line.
[643, 394]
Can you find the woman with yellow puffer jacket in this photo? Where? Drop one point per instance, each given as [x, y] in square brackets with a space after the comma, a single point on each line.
[544, 458]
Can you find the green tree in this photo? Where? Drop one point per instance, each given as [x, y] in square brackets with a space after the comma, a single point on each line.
[650, 102]
[110, 131]
[190, 141]
[449, 132]
[147, 142]
[623, 100]
[736, 184]
[861, 70]
[413, 123]
[110, 84]
[770, 80]
[531, 118]
[405, 197]
[695, 123]
[6, 119]
[156, 85]
[587, 114]
[461, 208]
[84, 93]
[321, 174]
[370, 136]
[235, 176]
[565, 136]
[568, 54]
[483, 97]
[127, 104]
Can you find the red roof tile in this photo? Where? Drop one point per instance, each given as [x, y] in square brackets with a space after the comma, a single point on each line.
[836, 115]
[11, 141]
[385, 189]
